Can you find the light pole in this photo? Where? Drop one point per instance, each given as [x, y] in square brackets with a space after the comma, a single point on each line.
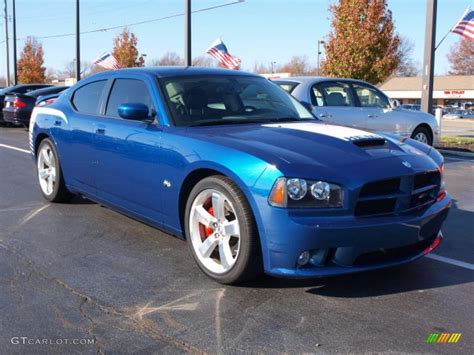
[78, 43]
[273, 66]
[187, 33]
[15, 71]
[319, 51]
[429, 57]
[7, 55]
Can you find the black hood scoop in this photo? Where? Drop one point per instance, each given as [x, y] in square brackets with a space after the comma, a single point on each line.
[370, 143]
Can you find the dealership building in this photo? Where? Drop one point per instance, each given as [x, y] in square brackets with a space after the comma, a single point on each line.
[452, 90]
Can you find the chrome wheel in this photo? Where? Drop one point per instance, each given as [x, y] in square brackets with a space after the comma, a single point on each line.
[46, 169]
[215, 231]
[421, 137]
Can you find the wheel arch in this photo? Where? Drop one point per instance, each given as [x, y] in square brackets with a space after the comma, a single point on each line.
[427, 126]
[39, 138]
[200, 173]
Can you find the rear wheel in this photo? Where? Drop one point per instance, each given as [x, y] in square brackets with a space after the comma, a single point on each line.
[423, 135]
[49, 173]
[221, 231]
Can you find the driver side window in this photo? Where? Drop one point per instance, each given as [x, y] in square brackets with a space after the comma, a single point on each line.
[128, 91]
[370, 97]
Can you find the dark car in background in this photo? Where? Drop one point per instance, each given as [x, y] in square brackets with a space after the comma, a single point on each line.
[18, 107]
[17, 89]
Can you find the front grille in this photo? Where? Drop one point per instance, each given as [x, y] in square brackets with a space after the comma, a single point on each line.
[398, 194]
[381, 187]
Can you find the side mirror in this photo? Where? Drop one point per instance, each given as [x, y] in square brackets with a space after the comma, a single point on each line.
[394, 103]
[134, 111]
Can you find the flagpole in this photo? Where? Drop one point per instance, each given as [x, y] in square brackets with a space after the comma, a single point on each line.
[446, 35]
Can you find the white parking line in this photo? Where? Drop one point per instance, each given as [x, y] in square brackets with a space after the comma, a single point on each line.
[446, 260]
[15, 148]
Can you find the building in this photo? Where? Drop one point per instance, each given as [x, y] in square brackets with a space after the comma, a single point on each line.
[451, 90]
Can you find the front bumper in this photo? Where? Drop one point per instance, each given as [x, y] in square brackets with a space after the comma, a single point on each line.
[347, 244]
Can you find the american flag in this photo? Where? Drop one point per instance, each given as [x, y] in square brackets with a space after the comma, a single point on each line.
[465, 26]
[107, 61]
[219, 51]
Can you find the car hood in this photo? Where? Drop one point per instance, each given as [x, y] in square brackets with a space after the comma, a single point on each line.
[293, 147]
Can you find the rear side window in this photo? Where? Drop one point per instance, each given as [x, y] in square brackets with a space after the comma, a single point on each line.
[127, 91]
[86, 99]
[331, 94]
[287, 86]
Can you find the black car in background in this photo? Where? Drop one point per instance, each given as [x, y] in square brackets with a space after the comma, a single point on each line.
[18, 107]
[18, 89]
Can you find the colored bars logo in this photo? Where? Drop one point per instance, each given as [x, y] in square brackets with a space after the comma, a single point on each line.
[442, 338]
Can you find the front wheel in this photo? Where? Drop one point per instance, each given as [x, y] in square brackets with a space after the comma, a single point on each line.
[423, 135]
[49, 173]
[221, 231]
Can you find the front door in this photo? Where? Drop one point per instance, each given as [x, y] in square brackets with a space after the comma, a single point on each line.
[333, 103]
[128, 173]
[375, 106]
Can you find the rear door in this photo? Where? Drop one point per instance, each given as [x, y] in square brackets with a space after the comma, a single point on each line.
[78, 154]
[333, 102]
[129, 153]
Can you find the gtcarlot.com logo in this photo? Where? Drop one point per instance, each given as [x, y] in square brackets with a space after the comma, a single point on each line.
[442, 338]
[58, 341]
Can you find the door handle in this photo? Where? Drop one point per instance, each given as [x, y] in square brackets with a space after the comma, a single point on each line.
[372, 116]
[325, 115]
[58, 123]
[100, 131]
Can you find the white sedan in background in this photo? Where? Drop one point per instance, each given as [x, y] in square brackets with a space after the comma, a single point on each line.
[355, 103]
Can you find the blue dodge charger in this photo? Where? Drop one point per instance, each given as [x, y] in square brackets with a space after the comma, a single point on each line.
[242, 171]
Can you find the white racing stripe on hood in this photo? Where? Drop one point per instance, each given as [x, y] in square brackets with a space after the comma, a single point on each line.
[344, 133]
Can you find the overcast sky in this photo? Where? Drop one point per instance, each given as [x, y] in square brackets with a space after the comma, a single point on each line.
[255, 30]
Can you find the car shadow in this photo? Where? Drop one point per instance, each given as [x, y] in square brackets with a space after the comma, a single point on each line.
[80, 200]
[422, 274]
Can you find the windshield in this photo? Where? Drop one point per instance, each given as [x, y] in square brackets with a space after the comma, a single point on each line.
[212, 100]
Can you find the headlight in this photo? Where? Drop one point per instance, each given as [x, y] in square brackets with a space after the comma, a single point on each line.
[293, 193]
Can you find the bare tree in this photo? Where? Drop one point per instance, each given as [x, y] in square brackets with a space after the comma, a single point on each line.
[461, 58]
[297, 65]
[407, 66]
[168, 59]
[203, 61]
[69, 70]
[261, 68]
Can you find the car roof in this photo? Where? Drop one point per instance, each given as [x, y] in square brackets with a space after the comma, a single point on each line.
[175, 71]
[47, 90]
[316, 79]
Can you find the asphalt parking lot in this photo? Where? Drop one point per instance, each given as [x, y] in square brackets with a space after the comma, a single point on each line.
[83, 271]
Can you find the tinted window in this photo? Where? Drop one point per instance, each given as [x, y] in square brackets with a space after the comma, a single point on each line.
[87, 98]
[221, 99]
[287, 86]
[331, 94]
[127, 91]
[370, 97]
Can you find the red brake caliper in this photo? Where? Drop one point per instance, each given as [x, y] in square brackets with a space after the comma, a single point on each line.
[207, 231]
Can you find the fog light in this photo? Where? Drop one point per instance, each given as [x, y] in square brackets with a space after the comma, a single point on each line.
[303, 258]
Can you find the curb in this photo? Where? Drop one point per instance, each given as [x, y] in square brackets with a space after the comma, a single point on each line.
[456, 153]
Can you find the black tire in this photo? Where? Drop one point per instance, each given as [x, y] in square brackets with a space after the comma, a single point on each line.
[423, 131]
[249, 261]
[60, 192]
